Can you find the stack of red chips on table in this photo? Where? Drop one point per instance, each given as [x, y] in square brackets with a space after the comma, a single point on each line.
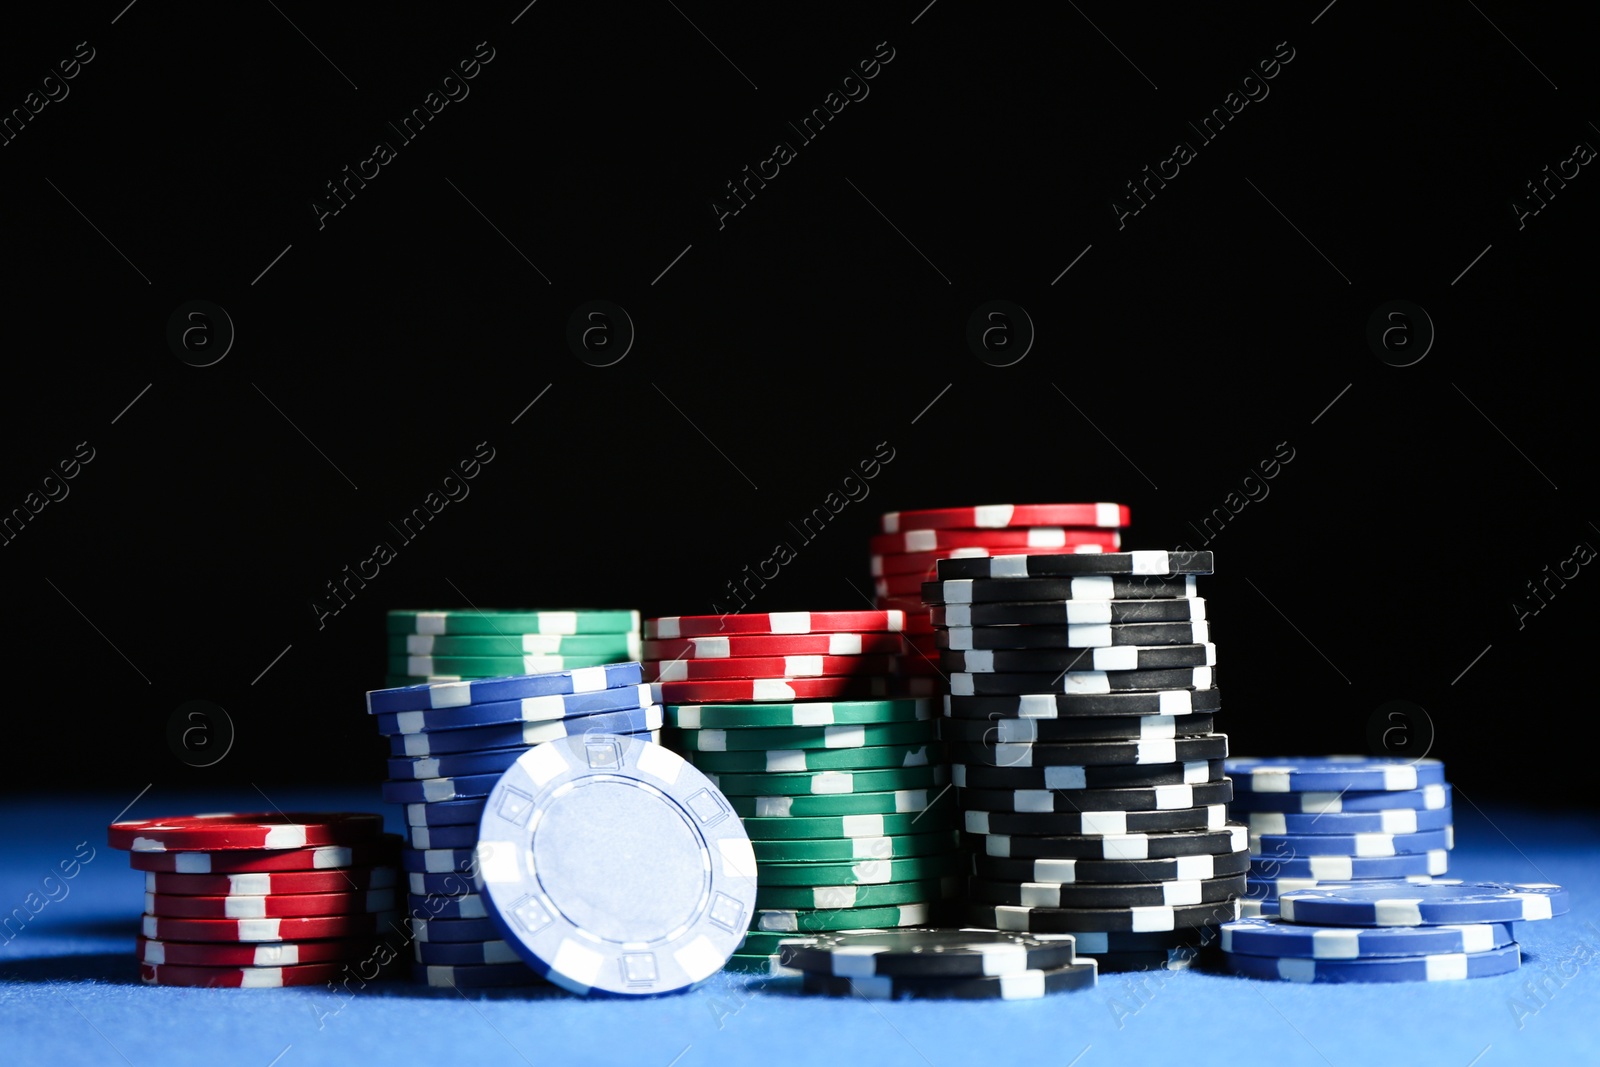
[910, 543]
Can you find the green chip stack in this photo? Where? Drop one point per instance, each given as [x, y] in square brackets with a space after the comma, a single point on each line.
[466, 644]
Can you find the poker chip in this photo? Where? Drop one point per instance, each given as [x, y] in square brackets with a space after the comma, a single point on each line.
[859, 872]
[1172, 959]
[545, 709]
[428, 838]
[1333, 773]
[850, 849]
[280, 905]
[327, 857]
[763, 943]
[757, 645]
[771, 966]
[453, 931]
[1076, 871]
[809, 714]
[1096, 728]
[480, 953]
[241, 977]
[830, 782]
[799, 760]
[883, 894]
[910, 802]
[1368, 844]
[1090, 753]
[1005, 515]
[1117, 846]
[445, 813]
[955, 538]
[833, 919]
[423, 790]
[1426, 798]
[1271, 937]
[267, 883]
[491, 690]
[1434, 904]
[998, 644]
[752, 667]
[454, 884]
[1090, 587]
[1073, 776]
[1394, 821]
[1102, 823]
[775, 622]
[592, 847]
[810, 737]
[1103, 943]
[467, 976]
[252, 831]
[1172, 702]
[1270, 888]
[268, 954]
[1091, 895]
[843, 829]
[157, 928]
[438, 861]
[525, 734]
[468, 668]
[1074, 565]
[967, 684]
[740, 690]
[1117, 920]
[1351, 868]
[616, 647]
[1047, 623]
[925, 954]
[435, 906]
[1024, 985]
[1118, 658]
[512, 622]
[923, 563]
[1426, 968]
[1061, 799]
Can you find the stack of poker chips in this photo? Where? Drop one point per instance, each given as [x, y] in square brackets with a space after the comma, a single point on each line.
[836, 785]
[263, 900]
[911, 543]
[1390, 931]
[1079, 730]
[451, 742]
[1339, 819]
[450, 646]
[939, 964]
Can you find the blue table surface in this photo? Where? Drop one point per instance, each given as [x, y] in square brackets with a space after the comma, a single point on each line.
[70, 991]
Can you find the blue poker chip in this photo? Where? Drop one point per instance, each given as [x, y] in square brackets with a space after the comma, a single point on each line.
[1406, 904]
[445, 813]
[1299, 775]
[1348, 868]
[437, 860]
[423, 790]
[481, 953]
[514, 687]
[454, 884]
[1432, 968]
[1271, 937]
[460, 764]
[1334, 802]
[615, 866]
[1257, 909]
[453, 930]
[428, 838]
[468, 976]
[1386, 821]
[1366, 845]
[435, 906]
[445, 743]
[1272, 888]
[536, 709]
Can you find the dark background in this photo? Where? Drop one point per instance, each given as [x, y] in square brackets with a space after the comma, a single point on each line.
[780, 350]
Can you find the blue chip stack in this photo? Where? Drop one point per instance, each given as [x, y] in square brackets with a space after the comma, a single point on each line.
[1316, 820]
[450, 744]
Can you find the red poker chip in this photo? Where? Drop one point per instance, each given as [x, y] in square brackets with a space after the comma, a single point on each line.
[264, 883]
[281, 906]
[827, 644]
[990, 516]
[268, 954]
[159, 928]
[385, 851]
[692, 670]
[241, 977]
[253, 830]
[760, 690]
[1027, 538]
[773, 622]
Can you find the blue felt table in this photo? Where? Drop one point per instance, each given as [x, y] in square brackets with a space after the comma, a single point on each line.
[70, 993]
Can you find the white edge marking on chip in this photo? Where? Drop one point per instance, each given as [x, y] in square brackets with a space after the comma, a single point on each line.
[783, 922]
[449, 694]
[961, 685]
[771, 689]
[1196, 868]
[147, 844]
[577, 962]
[891, 522]
[1180, 892]
[910, 800]
[1093, 587]
[921, 540]
[1118, 658]
[773, 807]
[688, 717]
[699, 958]
[789, 622]
[1336, 944]
[1150, 562]
[1047, 537]
[977, 822]
[862, 825]
[1094, 682]
[1066, 776]
[1088, 634]
[1535, 906]
[1152, 918]
[260, 930]
[1175, 702]
[659, 762]
[237, 907]
[1445, 967]
[1104, 823]
[786, 761]
[1008, 566]
[990, 515]
[1037, 706]
[1062, 871]
[738, 857]
[711, 647]
[844, 644]
[497, 862]
[1297, 970]
[844, 736]
[854, 961]
[1476, 938]
[819, 713]
[1108, 515]
[1268, 780]
[1433, 797]
[957, 590]
[1398, 912]
[1157, 750]
[711, 740]
[667, 628]
[430, 622]
[833, 782]
[542, 763]
[1125, 847]
[1268, 822]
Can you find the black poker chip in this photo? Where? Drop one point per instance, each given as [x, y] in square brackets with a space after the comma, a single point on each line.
[1073, 705]
[1097, 728]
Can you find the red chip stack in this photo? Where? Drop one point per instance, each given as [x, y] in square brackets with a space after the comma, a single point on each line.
[910, 543]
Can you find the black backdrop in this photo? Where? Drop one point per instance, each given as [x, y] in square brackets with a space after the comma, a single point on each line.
[1177, 346]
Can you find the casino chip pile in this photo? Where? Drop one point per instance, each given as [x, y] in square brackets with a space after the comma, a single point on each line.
[262, 900]
[944, 964]
[450, 646]
[1079, 729]
[1339, 819]
[784, 712]
[911, 543]
[450, 744]
[1390, 931]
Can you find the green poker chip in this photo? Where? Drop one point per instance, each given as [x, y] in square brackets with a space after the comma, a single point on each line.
[810, 737]
[808, 920]
[796, 760]
[829, 782]
[849, 827]
[621, 646]
[857, 896]
[471, 621]
[762, 943]
[861, 872]
[771, 966]
[810, 713]
[493, 666]
[892, 802]
[854, 849]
